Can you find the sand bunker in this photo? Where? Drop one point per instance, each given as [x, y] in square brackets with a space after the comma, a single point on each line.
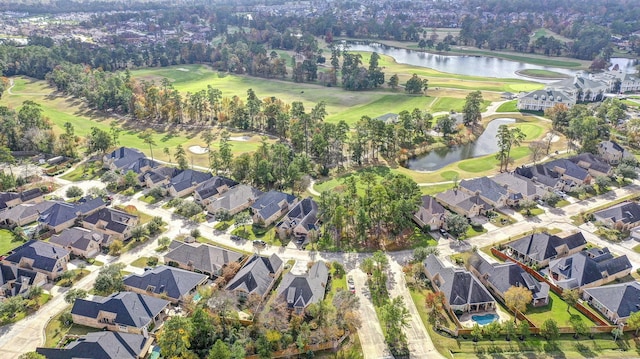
[240, 139]
[198, 150]
[182, 69]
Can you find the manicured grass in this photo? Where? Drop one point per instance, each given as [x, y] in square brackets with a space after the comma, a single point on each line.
[7, 241]
[539, 73]
[84, 172]
[557, 310]
[636, 248]
[471, 232]
[56, 330]
[338, 183]
[140, 262]
[337, 283]
[532, 212]
[435, 189]
[455, 104]
[531, 130]
[150, 199]
[510, 106]
[252, 232]
[561, 203]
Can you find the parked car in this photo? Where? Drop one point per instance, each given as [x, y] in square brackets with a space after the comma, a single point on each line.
[259, 243]
[351, 284]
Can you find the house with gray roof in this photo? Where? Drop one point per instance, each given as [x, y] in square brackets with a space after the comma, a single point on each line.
[235, 200]
[588, 269]
[80, 242]
[201, 257]
[64, 215]
[623, 216]
[596, 166]
[571, 173]
[158, 176]
[301, 220]
[430, 213]
[12, 199]
[463, 292]
[299, 291]
[538, 249]
[121, 158]
[41, 257]
[519, 186]
[500, 277]
[615, 301]
[15, 280]
[463, 203]
[540, 100]
[102, 345]
[23, 214]
[111, 222]
[121, 312]
[388, 118]
[612, 152]
[491, 192]
[211, 189]
[141, 166]
[543, 176]
[582, 88]
[271, 206]
[256, 277]
[173, 284]
[185, 182]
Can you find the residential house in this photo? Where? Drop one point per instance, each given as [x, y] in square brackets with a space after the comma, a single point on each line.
[102, 345]
[11, 199]
[173, 284]
[430, 214]
[201, 258]
[111, 222]
[519, 186]
[388, 118]
[126, 312]
[571, 173]
[141, 166]
[622, 216]
[80, 242]
[256, 276]
[500, 277]
[587, 269]
[235, 200]
[271, 206]
[491, 192]
[64, 215]
[301, 220]
[463, 203]
[299, 291]
[159, 176]
[185, 182]
[615, 301]
[23, 214]
[463, 292]
[538, 249]
[596, 166]
[211, 189]
[612, 152]
[15, 280]
[41, 257]
[540, 100]
[121, 158]
[545, 177]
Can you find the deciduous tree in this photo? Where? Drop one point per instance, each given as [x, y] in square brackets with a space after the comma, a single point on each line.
[517, 298]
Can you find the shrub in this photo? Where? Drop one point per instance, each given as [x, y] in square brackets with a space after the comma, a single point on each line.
[156, 192]
[152, 261]
[74, 191]
[188, 209]
[195, 233]
[338, 269]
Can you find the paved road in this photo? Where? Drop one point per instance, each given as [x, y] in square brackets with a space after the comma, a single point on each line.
[370, 333]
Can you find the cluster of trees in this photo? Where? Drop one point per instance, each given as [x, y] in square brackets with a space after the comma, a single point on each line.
[385, 209]
[213, 330]
[583, 126]
[26, 129]
[354, 76]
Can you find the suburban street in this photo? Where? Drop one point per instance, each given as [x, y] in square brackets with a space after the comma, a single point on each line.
[27, 334]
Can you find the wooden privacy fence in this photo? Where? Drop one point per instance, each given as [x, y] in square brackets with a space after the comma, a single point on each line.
[291, 352]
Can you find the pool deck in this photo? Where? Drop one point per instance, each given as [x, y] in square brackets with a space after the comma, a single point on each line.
[467, 322]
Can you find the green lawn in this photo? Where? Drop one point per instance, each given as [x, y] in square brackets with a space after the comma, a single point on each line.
[7, 242]
[56, 330]
[84, 172]
[531, 130]
[252, 232]
[140, 262]
[150, 199]
[532, 212]
[435, 189]
[472, 232]
[557, 310]
[510, 106]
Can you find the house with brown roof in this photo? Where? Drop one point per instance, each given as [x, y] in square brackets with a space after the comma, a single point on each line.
[80, 242]
[463, 203]
[235, 200]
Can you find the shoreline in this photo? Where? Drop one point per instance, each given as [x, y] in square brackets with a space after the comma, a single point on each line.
[520, 73]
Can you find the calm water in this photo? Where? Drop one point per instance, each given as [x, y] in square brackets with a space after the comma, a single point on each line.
[470, 65]
[486, 144]
[484, 319]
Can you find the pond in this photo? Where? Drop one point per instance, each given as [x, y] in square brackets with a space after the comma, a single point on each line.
[482, 66]
[486, 144]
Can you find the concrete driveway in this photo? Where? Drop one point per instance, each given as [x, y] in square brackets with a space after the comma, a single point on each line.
[370, 333]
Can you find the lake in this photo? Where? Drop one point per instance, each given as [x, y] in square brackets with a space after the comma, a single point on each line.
[486, 144]
[482, 66]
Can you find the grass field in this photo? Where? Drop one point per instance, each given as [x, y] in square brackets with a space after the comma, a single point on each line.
[56, 330]
[544, 74]
[510, 106]
[531, 130]
[556, 309]
[7, 242]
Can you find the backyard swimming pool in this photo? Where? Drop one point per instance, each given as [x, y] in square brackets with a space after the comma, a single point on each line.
[484, 319]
